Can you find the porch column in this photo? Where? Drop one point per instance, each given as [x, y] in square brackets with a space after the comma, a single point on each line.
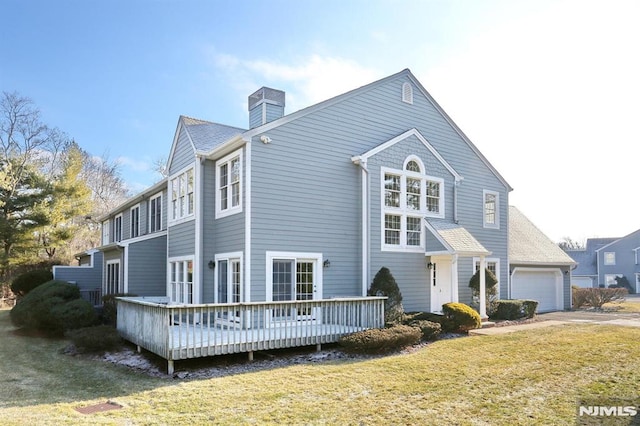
[483, 286]
[454, 278]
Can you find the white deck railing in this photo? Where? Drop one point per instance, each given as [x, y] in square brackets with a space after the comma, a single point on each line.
[177, 332]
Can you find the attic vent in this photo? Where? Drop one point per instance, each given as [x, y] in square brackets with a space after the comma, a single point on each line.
[407, 93]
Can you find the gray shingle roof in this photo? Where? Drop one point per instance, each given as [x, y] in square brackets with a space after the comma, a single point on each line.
[456, 238]
[528, 244]
[586, 261]
[207, 135]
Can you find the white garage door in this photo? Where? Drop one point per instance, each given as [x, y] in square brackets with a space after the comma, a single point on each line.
[543, 285]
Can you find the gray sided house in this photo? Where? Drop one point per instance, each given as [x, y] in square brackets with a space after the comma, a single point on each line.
[604, 259]
[310, 205]
[538, 268]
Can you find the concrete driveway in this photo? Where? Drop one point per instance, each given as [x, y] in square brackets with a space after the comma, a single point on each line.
[568, 317]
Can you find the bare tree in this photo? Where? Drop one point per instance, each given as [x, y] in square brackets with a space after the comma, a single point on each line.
[568, 243]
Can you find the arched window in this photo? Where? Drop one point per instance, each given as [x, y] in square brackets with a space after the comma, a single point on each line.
[407, 93]
[413, 166]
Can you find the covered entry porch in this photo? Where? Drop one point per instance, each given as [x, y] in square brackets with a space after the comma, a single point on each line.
[446, 243]
[177, 332]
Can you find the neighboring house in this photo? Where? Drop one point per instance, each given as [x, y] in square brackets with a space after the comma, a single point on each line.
[312, 204]
[604, 259]
[539, 269]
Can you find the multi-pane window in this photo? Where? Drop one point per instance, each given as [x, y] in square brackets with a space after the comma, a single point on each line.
[409, 195]
[117, 228]
[491, 205]
[112, 278]
[229, 185]
[182, 195]
[609, 257]
[155, 213]
[293, 279]
[181, 281]
[610, 279]
[229, 280]
[134, 221]
[105, 232]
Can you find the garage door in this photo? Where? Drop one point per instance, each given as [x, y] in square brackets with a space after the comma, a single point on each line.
[543, 285]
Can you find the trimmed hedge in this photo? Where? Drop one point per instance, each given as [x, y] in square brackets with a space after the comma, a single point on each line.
[464, 317]
[96, 339]
[26, 282]
[446, 324]
[381, 340]
[430, 330]
[515, 309]
[53, 307]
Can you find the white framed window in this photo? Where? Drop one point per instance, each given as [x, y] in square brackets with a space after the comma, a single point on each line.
[491, 209]
[293, 277]
[105, 232]
[112, 283]
[408, 195]
[609, 257]
[181, 279]
[407, 93]
[134, 221]
[155, 213]
[182, 194]
[610, 279]
[229, 184]
[228, 285]
[492, 264]
[117, 228]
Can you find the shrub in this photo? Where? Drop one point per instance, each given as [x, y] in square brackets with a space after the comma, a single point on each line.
[446, 324]
[578, 297]
[508, 310]
[26, 282]
[596, 297]
[53, 307]
[430, 330]
[463, 316]
[385, 285]
[529, 308]
[623, 282]
[515, 309]
[100, 338]
[110, 305]
[382, 340]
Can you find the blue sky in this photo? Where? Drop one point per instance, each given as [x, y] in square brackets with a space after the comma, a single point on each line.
[547, 90]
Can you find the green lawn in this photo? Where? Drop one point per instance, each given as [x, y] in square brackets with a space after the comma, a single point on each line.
[529, 377]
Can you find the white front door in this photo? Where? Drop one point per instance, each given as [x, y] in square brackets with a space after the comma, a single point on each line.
[440, 284]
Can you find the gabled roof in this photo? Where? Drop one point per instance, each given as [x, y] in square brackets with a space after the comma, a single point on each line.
[206, 135]
[399, 138]
[631, 235]
[456, 239]
[406, 72]
[528, 245]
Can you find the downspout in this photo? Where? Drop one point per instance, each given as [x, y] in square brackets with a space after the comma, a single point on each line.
[365, 226]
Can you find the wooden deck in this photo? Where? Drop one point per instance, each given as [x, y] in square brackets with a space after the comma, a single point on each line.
[177, 332]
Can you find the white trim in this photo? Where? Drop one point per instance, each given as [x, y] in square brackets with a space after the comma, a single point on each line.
[235, 255]
[115, 233]
[488, 260]
[403, 136]
[198, 210]
[247, 222]
[130, 241]
[182, 259]
[105, 284]
[160, 204]
[125, 269]
[485, 224]
[171, 220]
[106, 236]
[559, 282]
[284, 255]
[365, 201]
[136, 206]
[233, 209]
[405, 212]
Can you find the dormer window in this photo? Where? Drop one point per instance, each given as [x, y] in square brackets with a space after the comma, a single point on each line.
[407, 93]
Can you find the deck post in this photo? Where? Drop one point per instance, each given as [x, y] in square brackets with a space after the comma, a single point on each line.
[170, 367]
[319, 347]
[139, 349]
[250, 355]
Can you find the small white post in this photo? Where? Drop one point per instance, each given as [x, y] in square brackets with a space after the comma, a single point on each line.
[139, 349]
[170, 367]
[319, 347]
[250, 355]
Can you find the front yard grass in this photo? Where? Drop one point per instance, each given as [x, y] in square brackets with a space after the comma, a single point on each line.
[623, 307]
[528, 377]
